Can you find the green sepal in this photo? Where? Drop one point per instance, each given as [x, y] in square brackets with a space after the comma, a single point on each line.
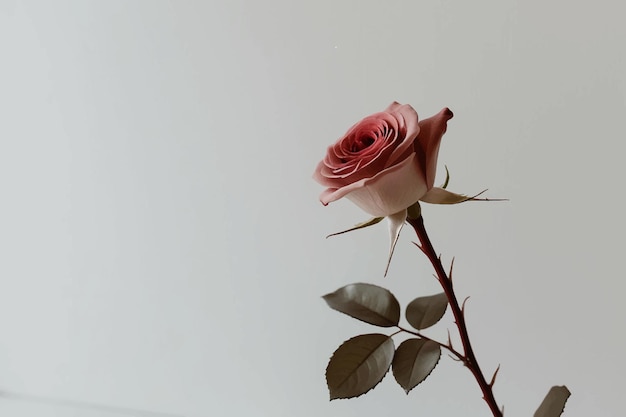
[396, 222]
[438, 195]
[367, 223]
[414, 211]
[445, 183]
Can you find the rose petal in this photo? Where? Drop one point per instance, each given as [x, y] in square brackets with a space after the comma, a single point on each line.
[409, 116]
[342, 165]
[388, 192]
[428, 141]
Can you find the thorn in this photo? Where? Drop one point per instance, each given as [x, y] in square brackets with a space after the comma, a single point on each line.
[420, 247]
[456, 359]
[493, 378]
[450, 273]
[463, 305]
[451, 268]
[449, 340]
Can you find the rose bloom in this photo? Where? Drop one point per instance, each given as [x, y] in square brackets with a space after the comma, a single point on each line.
[386, 162]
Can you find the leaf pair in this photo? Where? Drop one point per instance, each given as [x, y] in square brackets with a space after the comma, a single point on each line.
[360, 363]
[378, 306]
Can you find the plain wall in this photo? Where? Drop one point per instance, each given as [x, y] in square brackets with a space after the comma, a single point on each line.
[162, 245]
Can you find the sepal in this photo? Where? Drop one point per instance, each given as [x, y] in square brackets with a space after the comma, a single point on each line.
[438, 195]
[362, 225]
[396, 222]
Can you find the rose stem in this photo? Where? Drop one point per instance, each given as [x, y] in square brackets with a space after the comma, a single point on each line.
[469, 359]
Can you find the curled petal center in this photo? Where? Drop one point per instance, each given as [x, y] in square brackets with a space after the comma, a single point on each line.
[361, 143]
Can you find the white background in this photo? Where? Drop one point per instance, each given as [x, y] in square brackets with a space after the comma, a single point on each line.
[162, 246]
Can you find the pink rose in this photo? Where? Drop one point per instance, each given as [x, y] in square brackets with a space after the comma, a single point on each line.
[384, 163]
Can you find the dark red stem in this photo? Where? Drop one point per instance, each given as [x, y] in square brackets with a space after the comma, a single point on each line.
[469, 358]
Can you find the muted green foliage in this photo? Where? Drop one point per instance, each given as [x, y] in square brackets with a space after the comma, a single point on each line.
[424, 312]
[413, 361]
[367, 302]
[414, 211]
[438, 195]
[554, 403]
[367, 223]
[358, 365]
[396, 223]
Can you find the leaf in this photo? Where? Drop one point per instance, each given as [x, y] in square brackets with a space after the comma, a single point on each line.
[396, 222]
[423, 312]
[554, 403]
[358, 365]
[366, 302]
[367, 223]
[414, 360]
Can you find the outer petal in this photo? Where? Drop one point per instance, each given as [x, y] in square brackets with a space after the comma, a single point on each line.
[390, 191]
[427, 143]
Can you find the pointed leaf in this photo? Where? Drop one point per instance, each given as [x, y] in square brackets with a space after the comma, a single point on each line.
[358, 365]
[554, 403]
[396, 222]
[367, 223]
[414, 360]
[423, 312]
[366, 302]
